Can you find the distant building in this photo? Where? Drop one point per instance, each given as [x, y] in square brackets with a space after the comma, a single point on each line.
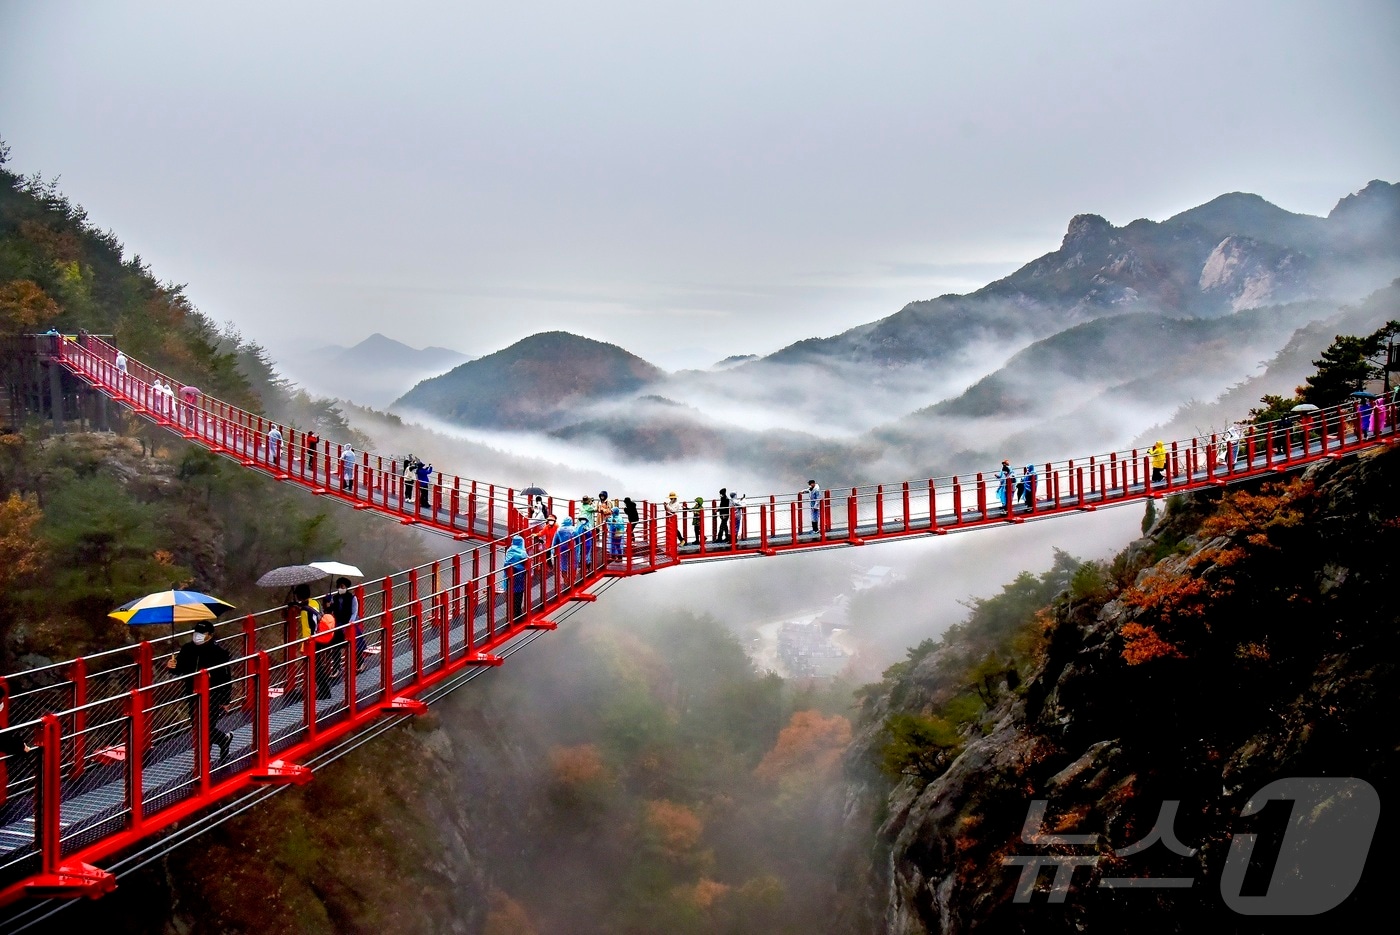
[805, 650]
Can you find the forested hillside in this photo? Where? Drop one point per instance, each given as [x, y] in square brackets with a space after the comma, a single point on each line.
[88, 521]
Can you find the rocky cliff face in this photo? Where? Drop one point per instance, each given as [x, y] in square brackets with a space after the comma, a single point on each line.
[1247, 638]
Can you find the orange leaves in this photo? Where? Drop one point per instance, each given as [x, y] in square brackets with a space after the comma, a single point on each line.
[676, 828]
[22, 552]
[1142, 644]
[1274, 505]
[577, 766]
[1168, 594]
[24, 306]
[704, 893]
[810, 742]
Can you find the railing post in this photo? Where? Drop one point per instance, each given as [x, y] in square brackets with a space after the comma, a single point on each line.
[135, 757]
[145, 664]
[77, 672]
[262, 710]
[386, 641]
[4, 725]
[416, 631]
[201, 729]
[250, 646]
[981, 495]
[310, 690]
[456, 502]
[957, 501]
[48, 803]
[932, 505]
[879, 509]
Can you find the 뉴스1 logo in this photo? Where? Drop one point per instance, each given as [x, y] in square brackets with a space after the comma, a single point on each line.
[1318, 864]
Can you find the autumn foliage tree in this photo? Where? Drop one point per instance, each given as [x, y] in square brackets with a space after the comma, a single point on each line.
[24, 306]
[810, 744]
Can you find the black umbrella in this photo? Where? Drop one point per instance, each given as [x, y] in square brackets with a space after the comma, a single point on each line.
[290, 575]
[533, 491]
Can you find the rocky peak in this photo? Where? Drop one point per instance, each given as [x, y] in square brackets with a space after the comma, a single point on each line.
[1083, 227]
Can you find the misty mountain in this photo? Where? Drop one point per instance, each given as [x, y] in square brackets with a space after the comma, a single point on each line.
[535, 383]
[1236, 251]
[374, 372]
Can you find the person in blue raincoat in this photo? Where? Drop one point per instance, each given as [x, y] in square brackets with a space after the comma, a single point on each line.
[517, 567]
[583, 544]
[1005, 481]
[617, 528]
[1026, 485]
[564, 549]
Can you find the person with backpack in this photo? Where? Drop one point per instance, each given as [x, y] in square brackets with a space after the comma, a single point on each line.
[325, 635]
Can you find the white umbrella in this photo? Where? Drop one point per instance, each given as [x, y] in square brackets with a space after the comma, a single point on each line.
[338, 568]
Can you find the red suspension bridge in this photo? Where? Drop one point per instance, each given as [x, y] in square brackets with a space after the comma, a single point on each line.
[118, 760]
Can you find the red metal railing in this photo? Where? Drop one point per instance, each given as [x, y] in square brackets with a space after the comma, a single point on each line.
[110, 728]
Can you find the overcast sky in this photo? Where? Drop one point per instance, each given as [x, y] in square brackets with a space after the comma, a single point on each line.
[689, 180]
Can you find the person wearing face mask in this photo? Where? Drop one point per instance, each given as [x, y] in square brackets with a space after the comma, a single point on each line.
[345, 607]
[202, 652]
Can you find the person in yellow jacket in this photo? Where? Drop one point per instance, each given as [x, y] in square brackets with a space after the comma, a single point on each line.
[1158, 455]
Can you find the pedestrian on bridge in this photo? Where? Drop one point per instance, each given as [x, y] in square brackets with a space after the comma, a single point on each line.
[274, 445]
[424, 473]
[345, 607]
[564, 549]
[311, 441]
[347, 468]
[517, 569]
[814, 501]
[617, 528]
[203, 652]
[671, 507]
[697, 520]
[722, 516]
[736, 513]
[1025, 487]
[121, 362]
[1005, 483]
[1158, 455]
[629, 507]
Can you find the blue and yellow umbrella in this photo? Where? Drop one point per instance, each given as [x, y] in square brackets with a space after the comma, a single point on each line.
[170, 607]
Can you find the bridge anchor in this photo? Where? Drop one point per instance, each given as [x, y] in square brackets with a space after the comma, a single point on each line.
[405, 705]
[70, 881]
[484, 659]
[583, 596]
[282, 773]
